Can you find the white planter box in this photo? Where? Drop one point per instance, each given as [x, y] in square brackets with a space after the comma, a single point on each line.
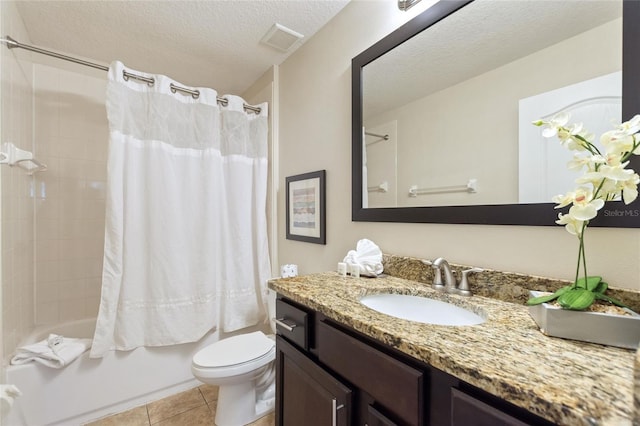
[606, 329]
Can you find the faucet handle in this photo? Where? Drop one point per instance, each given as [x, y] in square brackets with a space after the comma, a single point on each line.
[463, 288]
[437, 278]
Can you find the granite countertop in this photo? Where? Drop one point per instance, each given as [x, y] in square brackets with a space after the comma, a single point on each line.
[563, 381]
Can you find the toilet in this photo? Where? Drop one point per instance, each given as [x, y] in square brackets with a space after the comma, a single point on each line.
[243, 367]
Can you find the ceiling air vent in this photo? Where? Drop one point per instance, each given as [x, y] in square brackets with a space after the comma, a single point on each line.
[281, 38]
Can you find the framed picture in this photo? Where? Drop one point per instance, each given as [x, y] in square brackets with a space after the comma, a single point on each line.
[306, 216]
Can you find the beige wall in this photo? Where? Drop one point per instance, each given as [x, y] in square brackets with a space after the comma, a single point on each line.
[315, 133]
[265, 90]
[17, 213]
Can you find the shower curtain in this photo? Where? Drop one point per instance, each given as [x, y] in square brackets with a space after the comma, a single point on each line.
[186, 246]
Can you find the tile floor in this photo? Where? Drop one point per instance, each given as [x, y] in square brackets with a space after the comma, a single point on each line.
[195, 407]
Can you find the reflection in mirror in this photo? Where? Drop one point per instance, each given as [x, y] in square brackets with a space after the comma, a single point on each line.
[451, 103]
[543, 171]
[444, 116]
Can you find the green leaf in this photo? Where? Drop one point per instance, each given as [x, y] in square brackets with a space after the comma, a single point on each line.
[577, 299]
[611, 300]
[601, 288]
[547, 297]
[592, 282]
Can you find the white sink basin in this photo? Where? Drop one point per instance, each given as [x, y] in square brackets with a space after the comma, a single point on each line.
[421, 309]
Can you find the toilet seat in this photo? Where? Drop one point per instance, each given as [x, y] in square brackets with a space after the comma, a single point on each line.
[234, 355]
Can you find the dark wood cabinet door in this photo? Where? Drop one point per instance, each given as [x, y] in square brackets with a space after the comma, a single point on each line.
[395, 386]
[469, 411]
[376, 418]
[306, 394]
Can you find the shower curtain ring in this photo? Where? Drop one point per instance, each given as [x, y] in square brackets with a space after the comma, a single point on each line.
[195, 94]
[149, 80]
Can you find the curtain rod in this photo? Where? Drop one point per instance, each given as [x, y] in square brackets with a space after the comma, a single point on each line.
[12, 44]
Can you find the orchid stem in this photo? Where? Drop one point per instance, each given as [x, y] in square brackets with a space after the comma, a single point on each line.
[581, 258]
[575, 281]
[584, 255]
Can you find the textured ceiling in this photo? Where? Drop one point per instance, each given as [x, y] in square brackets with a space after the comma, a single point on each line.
[213, 43]
[478, 38]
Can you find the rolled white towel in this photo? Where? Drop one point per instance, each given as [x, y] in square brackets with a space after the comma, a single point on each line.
[56, 352]
[367, 256]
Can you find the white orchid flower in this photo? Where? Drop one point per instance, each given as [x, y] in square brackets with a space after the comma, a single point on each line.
[617, 172]
[616, 141]
[632, 126]
[570, 137]
[572, 225]
[567, 133]
[580, 161]
[614, 159]
[630, 189]
[584, 207]
[563, 200]
[586, 211]
[552, 126]
[574, 144]
[610, 190]
[593, 178]
[623, 140]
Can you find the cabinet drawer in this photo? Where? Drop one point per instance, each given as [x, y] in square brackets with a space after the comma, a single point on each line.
[469, 411]
[394, 385]
[292, 323]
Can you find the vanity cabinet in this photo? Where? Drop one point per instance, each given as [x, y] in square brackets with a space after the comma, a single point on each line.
[329, 374]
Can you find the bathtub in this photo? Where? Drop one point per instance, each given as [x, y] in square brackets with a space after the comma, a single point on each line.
[88, 389]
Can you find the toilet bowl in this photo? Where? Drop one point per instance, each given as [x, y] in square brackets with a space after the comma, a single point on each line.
[243, 367]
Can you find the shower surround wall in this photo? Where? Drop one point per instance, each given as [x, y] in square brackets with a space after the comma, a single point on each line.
[52, 222]
[71, 137]
[17, 213]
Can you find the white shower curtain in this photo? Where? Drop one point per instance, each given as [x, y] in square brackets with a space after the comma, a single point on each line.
[186, 246]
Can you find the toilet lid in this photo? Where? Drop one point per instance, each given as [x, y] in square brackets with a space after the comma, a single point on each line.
[234, 350]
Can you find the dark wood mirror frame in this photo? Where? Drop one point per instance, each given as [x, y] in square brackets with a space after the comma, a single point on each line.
[614, 214]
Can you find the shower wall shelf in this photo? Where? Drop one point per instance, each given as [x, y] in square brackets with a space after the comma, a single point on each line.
[14, 156]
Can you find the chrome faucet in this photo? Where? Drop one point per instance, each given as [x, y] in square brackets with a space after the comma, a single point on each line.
[442, 265]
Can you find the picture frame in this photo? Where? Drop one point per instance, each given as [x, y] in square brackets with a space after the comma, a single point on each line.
[306, 207]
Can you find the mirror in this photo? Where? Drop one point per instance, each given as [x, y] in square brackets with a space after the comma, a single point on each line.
[444, 106]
